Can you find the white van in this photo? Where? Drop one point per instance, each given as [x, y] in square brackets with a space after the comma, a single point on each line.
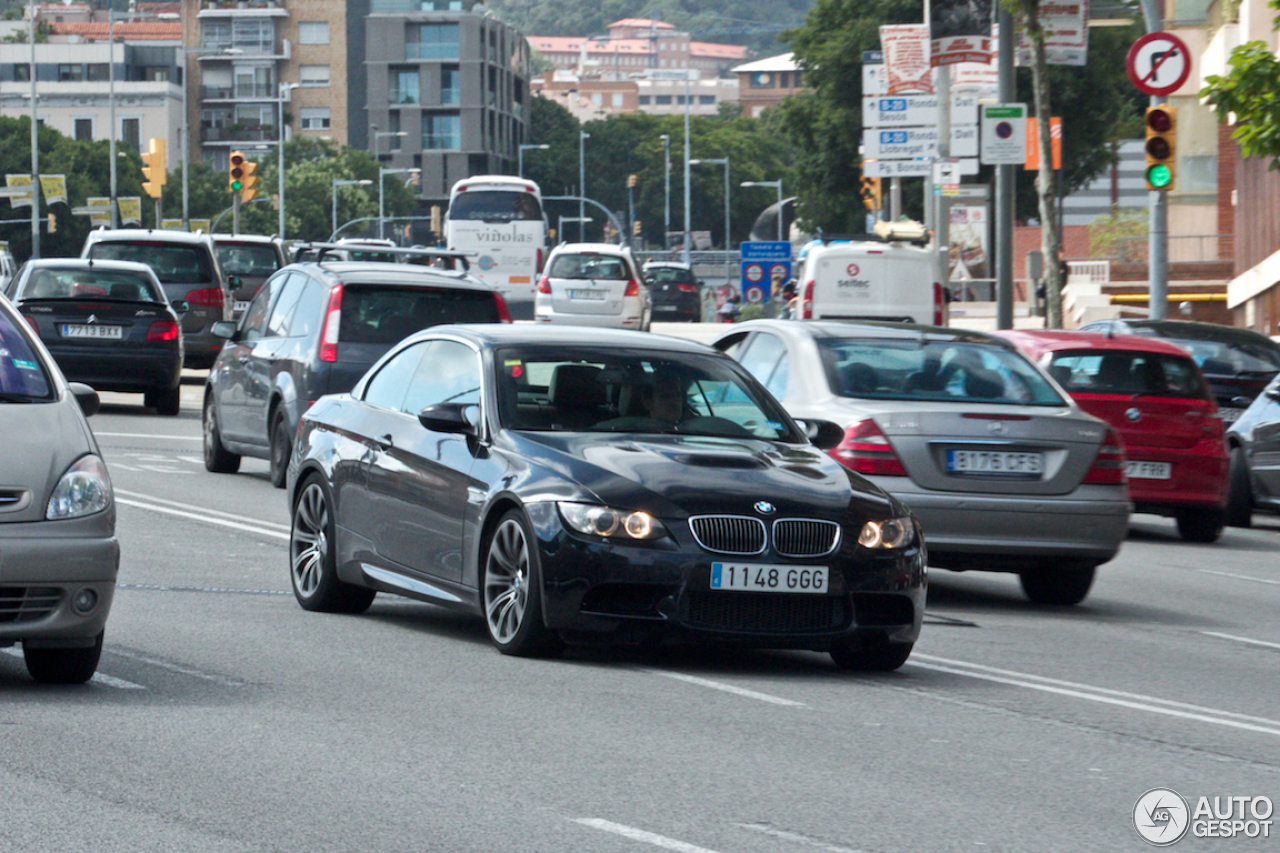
[872, 280]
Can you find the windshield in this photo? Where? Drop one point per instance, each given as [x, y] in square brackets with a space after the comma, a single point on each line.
[669, 274]
[1127, 373]
[589, 265]
[22, 378]
[77, 283]
[951, 371]
[171, 263]
[1228, 359]
[496, 206]
[248, 259]
[611, 390]
[377, 314]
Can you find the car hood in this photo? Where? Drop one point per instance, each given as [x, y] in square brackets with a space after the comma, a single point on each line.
[676, 476]
[41, 442]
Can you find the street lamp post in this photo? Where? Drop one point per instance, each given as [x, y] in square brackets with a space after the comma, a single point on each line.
[184, 132]
[778, 185]
[728, 245]
[378, 134]
[381, 215]
[35, 147]
[520, 156]
[284, 90]
[337, 183]
[688, 229]
[666, 188]
[583, 136]
[111, 110]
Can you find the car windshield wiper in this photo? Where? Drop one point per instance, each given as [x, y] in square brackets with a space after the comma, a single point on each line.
[16, 398]
[1263, 373]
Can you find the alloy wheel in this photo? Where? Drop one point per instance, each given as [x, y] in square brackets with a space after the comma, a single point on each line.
[506, 581]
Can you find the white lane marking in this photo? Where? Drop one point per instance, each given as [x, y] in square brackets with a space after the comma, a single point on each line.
[151, 435]
[728, 688]
[205, 518]
[797, 838]
[202, 510]
[1104, 695]
[1241, 639]
[181, 670]
[98, 677]
[1239, 577]
[640, 835]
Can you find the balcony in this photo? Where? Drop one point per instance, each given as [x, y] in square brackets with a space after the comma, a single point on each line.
[238, 133]
[431, 50]
[403, 96]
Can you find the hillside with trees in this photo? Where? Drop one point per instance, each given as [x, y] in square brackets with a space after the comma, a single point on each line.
[754, 23]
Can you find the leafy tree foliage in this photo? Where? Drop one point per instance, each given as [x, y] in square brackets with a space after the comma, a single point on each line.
[1251, 90]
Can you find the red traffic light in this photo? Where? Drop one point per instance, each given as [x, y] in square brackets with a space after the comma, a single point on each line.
[1159, 120]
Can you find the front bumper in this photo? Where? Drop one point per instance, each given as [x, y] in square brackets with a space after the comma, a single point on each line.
[633, 592]
[43, 565]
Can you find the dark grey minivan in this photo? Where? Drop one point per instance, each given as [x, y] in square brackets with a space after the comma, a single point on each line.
[314, 329]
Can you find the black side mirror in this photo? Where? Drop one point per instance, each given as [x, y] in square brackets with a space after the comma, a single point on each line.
[181, 306]
[1240, 402]
[86, 397]
[448, 417]
[823, 435]
[233, 281]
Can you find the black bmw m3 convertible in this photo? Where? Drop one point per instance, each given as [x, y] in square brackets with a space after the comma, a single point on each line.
[618, 487]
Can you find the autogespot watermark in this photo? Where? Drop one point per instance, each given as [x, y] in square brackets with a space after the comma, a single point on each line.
[1162, 817]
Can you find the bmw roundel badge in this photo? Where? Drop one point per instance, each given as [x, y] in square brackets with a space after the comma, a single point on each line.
[764, 507]
[1133, 415]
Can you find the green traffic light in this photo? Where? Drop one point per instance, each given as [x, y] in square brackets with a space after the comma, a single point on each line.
[1159, 176]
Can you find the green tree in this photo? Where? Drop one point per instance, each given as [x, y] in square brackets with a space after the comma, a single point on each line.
[1250, 90]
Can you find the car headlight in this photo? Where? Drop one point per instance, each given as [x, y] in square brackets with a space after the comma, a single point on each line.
[891, 533]
[83, 490]
[594, 520]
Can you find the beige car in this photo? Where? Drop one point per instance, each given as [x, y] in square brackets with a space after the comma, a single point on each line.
[57, 514]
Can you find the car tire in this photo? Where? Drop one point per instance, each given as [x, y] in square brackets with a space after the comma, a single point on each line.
[511, 590]
[166, 401]
[313, 565]
[1239, 491]
[1064, 584]
[281, 450]
[217, 458]
[63, 666]
[1200, 525]
[871, 654]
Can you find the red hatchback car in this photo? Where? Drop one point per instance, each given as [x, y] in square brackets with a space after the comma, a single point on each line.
[1154, 395]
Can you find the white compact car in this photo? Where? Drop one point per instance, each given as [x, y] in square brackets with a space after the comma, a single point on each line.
[593, 284]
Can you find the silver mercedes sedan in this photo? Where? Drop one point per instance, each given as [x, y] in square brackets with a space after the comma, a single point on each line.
[1003, 470]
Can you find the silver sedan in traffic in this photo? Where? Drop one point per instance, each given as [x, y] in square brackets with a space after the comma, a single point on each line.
[1004, 471]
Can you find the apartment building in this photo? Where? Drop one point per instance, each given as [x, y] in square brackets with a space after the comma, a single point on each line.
[447, 89]
[765, 82]
[634, 45]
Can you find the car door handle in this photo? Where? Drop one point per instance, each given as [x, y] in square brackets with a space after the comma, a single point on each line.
[384, 441]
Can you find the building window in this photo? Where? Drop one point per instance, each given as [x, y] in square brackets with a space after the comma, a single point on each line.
[82, 129]
[450, 86]
[313, 32]
[254, 82]
[706, 99]
[644, 100]
[784, 79]
[313, 75]
[131, 132]
[434, 41]
[616, 99]
[441, 131]
[662, 100]
[215, 34]
[404, 86]
[597, 99]
[314, 118]
[154, 73]
[99, 71]
[22, 73]
[70, 73]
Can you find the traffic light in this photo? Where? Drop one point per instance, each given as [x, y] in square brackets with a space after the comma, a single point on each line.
[631, 180]
[248, 180]
[414, 179]
[870, 192]
[53, 224]
[235, 176]
[1162, 149]
[636, 229]
[154, 168]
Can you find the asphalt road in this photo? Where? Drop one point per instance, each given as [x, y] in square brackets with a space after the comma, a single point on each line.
[225, 718]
